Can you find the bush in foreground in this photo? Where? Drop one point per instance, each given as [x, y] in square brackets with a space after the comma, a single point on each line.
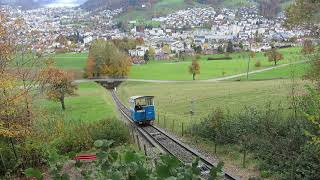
[279, 141]
[55, 136]
[123, 163]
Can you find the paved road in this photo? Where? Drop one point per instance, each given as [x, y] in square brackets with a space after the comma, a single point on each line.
[208, 80]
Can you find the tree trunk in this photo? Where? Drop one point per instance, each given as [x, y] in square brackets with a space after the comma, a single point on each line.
[244, 158]
[275, 62]
[194, 76]
[62, 103]
[13, 148]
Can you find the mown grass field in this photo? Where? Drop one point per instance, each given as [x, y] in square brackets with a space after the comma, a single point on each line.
[166, 70]
[71, 61]
[178, 70]
[174, 101]
[288, 72]
[92, 103]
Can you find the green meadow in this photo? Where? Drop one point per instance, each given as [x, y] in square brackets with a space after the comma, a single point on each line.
[71, 61]
[175, 100]
[168, 70]
[91, 104]
[177, 69]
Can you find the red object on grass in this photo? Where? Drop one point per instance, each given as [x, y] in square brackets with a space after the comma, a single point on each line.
[86, 157]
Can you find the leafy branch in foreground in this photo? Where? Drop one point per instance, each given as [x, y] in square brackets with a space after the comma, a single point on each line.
[125, 163]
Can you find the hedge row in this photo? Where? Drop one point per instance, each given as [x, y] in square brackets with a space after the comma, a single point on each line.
[217, 59]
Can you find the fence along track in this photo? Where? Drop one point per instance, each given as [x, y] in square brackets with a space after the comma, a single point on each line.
[159, 138]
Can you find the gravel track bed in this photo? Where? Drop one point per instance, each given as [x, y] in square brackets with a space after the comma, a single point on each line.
[170, 145]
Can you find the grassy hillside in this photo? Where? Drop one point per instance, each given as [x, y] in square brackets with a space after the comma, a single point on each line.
[161, 7]
[295, 70]
[92, 103]
[164, 7]
[173, 101]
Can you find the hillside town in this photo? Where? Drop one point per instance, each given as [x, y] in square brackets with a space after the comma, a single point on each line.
[182, 32]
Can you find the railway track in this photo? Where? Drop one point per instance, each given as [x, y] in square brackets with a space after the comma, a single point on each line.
[166, 143]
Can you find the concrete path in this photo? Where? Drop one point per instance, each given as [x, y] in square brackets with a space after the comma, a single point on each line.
[208, 80]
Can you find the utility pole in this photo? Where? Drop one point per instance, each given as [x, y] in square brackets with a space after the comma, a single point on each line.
[249, 60]
[248, 68]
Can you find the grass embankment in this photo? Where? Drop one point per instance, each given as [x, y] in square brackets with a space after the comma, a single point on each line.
[174, 101]
[92, 103]
[173, 104]
[89, 116]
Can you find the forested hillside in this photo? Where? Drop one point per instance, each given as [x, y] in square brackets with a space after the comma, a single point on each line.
[27, 4]
[114, 4]
[111, 4]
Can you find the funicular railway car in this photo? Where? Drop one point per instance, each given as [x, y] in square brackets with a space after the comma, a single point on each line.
[142, 109]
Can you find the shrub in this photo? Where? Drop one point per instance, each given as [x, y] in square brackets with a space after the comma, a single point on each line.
[216, 59]
[257, 64]
[56, 136]
[276, 139]
[72, 141]
[124, 163]
[8, 160]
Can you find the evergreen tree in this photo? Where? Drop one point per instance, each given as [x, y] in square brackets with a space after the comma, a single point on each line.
[230, 47]
[146, 56]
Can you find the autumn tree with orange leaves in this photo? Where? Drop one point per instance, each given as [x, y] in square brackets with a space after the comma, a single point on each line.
[90, 70]
[194, 68]
[274, 56]
[57, 84]
[15, 104]
[105, 59]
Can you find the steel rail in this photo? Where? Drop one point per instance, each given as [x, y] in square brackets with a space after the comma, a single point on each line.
[157, 143]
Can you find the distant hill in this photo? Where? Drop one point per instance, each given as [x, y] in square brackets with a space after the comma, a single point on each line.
[157, 8]
[30, 4]
[107, 4]
[163, 7]
[26, 4]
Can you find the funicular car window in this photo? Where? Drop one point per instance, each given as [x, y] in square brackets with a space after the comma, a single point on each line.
[144, 101]
[141, 102]
[149, 102]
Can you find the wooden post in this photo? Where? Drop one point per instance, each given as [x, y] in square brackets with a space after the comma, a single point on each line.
[138, 142]
[215, 147]
[155, 162]
[158, 118]
[172, 125]
[164, 122]
[244, 158]
[182, 129]
[132, 133]
[145, 150]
